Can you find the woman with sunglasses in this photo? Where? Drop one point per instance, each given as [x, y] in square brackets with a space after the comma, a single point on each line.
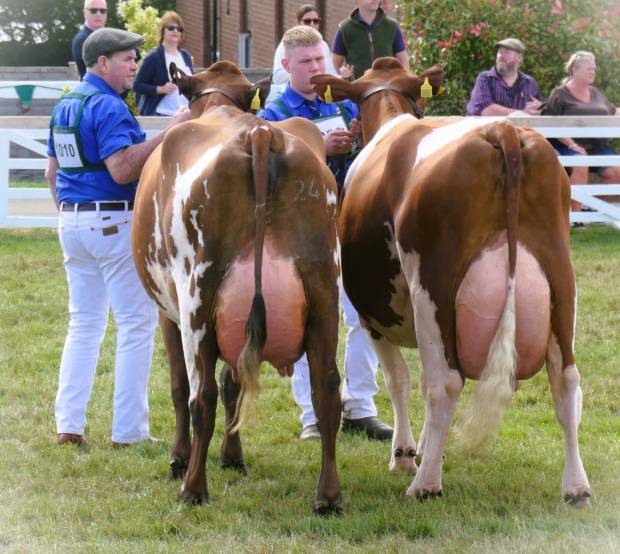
[156, 95]
[306, 15]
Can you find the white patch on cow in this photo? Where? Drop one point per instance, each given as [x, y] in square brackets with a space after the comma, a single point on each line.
[442, 136]
[194, 220]
[332, 199]
[385, 128]
[157, 236]
[186, 271]
[206, 186]
[161, 276]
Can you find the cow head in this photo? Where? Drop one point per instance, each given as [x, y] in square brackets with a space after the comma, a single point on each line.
[400, 91]
[221, 84]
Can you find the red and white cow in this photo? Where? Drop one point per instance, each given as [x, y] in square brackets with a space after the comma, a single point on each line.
[235, 235]
[454, 238]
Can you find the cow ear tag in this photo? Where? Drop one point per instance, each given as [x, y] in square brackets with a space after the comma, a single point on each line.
[328, 95]
[255, 104]
[426, 90]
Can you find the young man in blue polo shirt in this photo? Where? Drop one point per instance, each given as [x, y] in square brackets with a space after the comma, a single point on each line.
[96, 151]
[303, 58]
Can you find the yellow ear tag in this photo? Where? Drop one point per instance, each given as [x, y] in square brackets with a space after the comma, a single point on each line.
[426, 90]
[441, 90]
[255, 104]
[328, 95]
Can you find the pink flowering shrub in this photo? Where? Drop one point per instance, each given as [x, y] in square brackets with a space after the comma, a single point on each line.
[461, 35]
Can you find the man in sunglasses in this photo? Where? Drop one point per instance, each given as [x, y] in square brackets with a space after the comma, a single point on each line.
[95, 17]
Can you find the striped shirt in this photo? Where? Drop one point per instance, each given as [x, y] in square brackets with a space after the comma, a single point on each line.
[490, 88]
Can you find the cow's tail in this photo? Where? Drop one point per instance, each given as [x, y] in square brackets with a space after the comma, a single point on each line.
[492, 396]
[263, 139]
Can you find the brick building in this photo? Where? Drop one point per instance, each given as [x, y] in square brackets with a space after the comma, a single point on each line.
[247, 32]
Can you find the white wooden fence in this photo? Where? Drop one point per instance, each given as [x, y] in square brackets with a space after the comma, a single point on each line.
[28, 131]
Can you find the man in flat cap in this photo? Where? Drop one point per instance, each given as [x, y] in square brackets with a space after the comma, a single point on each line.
[96, 151]
[504, 89]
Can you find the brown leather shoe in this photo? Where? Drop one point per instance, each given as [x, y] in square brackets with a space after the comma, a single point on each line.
[70, 438]
[374, 428]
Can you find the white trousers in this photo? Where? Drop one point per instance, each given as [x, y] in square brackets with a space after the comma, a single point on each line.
[360, 373]
[101, 273]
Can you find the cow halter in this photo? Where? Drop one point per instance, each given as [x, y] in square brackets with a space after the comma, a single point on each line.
[211, 90]
[416, 110]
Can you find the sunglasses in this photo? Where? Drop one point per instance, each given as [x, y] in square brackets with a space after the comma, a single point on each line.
[310, 20]
[174, 28]
[102, 11]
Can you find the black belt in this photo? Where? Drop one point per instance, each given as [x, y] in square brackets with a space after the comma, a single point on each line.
[94, 206]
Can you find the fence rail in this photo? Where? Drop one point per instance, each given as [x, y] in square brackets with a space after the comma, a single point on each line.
[31, 132]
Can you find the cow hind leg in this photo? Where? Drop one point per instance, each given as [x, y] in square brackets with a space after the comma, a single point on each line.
[398, 383]
[179, 390]
[566, 392]
[231, 454]
[442, 388]
[321, 341]
[202, 405]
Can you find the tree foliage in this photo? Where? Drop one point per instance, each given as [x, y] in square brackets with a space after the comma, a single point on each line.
[461, 35]
[39, 32]
[140, 20]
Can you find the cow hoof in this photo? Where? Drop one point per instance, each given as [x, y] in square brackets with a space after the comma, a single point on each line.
[403, 459]
[178, 469]
[424, 494]
[192, 499]
[325, 508]
[237, 465]
[578, 500]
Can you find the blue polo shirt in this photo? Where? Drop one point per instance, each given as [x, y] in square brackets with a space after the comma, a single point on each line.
[298, 106]
[106, 126]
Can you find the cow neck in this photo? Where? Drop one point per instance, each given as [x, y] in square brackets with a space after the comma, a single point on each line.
[211, 90]
[381, 109]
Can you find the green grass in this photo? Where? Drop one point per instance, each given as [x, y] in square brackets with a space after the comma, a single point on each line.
[19, 184]
[97, 499]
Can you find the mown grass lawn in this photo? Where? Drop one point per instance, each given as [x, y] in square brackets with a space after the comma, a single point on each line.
[98, 499]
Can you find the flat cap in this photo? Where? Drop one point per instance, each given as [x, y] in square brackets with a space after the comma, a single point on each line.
[106, 41]
[512, 44]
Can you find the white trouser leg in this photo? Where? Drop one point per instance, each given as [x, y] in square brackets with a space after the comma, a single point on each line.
[360, 368]
[88, 316]
[302, 391]
[136, 318]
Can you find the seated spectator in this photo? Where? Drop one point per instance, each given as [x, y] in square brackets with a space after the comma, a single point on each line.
[367, 34]
[156, 94]
[504, 89]
[306, 15]
[577, 96]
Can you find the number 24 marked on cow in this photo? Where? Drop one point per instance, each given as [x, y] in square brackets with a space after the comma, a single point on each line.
[301, 195]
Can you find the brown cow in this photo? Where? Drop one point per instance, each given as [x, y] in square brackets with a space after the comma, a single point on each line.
[455, 238]
[236, 216]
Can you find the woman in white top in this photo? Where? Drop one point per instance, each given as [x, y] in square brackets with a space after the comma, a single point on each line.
[306, 15]
[156, 94]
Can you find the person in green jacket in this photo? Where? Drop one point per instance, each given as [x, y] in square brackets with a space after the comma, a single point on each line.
[367, 34]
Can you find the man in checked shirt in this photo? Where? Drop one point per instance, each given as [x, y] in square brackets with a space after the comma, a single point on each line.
[504, 89]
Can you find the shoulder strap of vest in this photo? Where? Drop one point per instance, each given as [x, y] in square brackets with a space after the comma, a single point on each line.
[344, 113]
[74, 95]
[278, 102]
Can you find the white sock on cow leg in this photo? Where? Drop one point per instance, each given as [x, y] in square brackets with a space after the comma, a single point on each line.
[567, 396]
[398, 383]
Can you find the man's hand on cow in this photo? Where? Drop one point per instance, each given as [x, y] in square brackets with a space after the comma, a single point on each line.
[338, 142]
[355, 127]
[181, 116]
[533, 107]
[166, 88]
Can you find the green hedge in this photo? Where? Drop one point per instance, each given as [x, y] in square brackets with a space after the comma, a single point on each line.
[461, 35]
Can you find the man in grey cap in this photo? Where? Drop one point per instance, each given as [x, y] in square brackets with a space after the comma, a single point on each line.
[504, 89]
[96, 151]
